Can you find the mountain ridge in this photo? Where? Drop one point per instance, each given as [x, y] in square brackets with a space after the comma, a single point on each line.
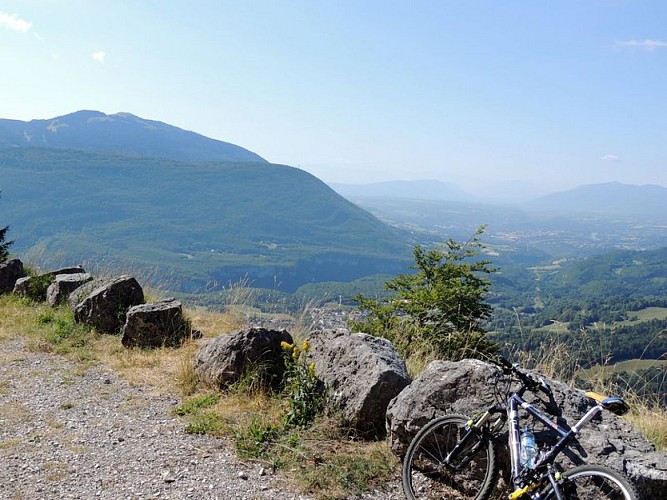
[123, 133]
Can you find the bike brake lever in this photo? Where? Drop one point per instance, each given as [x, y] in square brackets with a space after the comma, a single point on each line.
[505, 364]
[544, 387]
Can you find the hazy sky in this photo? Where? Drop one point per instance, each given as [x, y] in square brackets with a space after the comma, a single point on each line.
[557, 93]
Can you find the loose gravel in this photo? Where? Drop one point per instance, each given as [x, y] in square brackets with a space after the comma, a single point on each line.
[86, 434]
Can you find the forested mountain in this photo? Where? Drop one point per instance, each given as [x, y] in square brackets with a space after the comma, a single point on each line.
[195, 223]
[119, 133]
[615, 303]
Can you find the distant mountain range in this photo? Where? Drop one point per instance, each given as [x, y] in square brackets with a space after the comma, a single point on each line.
[119, 133]
[418, 190]
[610, 199]
[116, 190]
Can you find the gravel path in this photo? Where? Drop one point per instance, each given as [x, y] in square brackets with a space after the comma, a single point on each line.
[68, 433]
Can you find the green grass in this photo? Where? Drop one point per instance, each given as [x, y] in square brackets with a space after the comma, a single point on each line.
[206, 422]
[646, 314]
[629, 366]
[46, 329]
[197, 403]
[555, 327]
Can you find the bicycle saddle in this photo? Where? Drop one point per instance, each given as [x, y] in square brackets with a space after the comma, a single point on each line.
[614, 405]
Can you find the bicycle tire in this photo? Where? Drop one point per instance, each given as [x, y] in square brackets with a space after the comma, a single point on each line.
[424, 474]
[588, 482]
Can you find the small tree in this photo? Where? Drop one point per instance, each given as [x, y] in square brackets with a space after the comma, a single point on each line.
[440, 308]
[4, 245]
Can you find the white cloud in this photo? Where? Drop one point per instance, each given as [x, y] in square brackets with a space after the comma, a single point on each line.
[642, 44]
[13, 22]
[99, 56]
[610, 157]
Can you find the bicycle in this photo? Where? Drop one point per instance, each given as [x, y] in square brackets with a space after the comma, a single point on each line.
[454, 457]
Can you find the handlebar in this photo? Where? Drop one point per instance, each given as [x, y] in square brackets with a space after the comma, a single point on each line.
[529, 381]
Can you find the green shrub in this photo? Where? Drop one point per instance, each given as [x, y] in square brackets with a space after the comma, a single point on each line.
[438, 309]
[37, 287]
[4, 245]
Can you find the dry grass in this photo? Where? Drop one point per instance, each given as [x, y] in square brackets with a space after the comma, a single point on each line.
[651, 421]
[158, 368]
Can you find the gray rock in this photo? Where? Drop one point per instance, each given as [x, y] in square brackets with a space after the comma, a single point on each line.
[361, 374]
[79, 294]
[67, 270]
[21, 286]
[36, 287]
[10, 272]
[105, 307]
[63, 285]
[469, 386]
[226, 358]
[156, 324]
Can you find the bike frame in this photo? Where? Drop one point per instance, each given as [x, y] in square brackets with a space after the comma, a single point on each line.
[517, 402]
[544, 474]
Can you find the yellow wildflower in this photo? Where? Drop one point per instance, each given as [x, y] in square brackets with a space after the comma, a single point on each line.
[286, 346]
[305, 346]
[311, 369]
[295, 353]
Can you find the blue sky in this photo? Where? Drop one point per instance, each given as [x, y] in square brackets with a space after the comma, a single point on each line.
[555, 94]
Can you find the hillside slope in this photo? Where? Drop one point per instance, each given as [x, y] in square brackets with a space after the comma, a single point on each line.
[196, 222]
[120, 133]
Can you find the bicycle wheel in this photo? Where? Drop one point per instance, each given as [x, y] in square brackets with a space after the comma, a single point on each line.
[470, 474]
[592, 482]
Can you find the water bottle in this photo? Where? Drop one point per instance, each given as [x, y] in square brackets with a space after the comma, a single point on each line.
[528, 453]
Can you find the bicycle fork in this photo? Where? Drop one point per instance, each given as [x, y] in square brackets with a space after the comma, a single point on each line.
[474, 429]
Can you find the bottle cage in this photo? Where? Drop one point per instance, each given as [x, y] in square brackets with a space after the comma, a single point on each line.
[614, 405]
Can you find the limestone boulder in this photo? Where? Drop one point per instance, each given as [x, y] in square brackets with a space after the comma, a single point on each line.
[10, 272]
[224, 359]
[63, 285]
[79, 294]
[36, 287]
[156, 324]
[21, 286]
[361, 374]
[468, 386]
[106, 306]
